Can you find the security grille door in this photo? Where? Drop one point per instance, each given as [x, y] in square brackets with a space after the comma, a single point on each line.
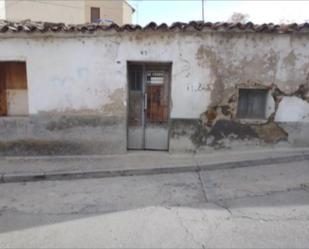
[148, 106]
[136, 108]
[156, 125]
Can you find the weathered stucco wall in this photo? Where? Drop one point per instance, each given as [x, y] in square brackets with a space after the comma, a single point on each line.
[67, 11]
[2, 9]
[77, 98]
[70, 78]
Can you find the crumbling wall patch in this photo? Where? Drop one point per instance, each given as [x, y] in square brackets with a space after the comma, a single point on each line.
[219, 122]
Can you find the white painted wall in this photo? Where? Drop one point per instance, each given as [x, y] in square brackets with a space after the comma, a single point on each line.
[292, 109]
[67, 74]
[2, 9]
[86, 74]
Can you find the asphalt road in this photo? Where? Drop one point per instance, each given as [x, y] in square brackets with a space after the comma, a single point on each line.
[255, 207]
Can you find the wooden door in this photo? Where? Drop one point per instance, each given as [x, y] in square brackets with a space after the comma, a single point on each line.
[3, 99]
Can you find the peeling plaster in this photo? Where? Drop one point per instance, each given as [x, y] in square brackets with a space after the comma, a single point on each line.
[219, 125]
[243, 70]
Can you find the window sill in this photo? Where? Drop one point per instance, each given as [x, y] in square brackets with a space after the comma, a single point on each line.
[252, 120]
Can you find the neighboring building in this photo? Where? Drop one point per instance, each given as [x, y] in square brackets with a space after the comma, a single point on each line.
[93, 89]
[67, 11]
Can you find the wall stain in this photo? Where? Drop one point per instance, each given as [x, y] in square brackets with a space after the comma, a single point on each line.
[207, 58]
[72, 121]
[32, 147]
[224, 128]
[290, 60]
[270, 132]
[116, 105]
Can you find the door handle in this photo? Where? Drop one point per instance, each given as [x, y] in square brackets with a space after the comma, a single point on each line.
[145, 101]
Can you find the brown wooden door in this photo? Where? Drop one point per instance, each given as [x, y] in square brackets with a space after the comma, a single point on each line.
[3, 99]
[157, 106]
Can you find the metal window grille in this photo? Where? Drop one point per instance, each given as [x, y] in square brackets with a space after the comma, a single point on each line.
[252, 103]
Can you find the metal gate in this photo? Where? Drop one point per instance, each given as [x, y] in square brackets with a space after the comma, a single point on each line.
[148, 112]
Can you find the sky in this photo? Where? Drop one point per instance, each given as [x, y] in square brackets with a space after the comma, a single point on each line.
[262, 11]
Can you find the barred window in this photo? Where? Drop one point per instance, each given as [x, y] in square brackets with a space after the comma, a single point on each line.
[252, 103]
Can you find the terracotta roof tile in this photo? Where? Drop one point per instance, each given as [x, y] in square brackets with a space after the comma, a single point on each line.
[44, 27]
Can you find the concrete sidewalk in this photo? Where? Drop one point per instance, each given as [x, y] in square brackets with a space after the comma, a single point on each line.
[17, 169]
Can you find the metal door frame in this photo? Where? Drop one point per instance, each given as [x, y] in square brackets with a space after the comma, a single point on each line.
[168, 65]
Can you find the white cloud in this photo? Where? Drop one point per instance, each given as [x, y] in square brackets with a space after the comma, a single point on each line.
[261, 11]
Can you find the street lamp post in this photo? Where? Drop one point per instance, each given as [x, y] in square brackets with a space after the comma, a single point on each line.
[203, 16]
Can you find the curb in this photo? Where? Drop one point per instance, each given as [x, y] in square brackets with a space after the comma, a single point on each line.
[70, 175]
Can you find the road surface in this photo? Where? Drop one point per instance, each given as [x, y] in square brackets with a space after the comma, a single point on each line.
[254, 207]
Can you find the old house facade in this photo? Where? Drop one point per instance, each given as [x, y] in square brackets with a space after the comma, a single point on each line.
[67, 11]
[93, 89]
